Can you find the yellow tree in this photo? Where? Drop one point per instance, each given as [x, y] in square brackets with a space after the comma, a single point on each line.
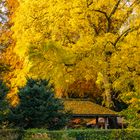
[69, 41]
[66, 35]
[15, 75]
[3, 27]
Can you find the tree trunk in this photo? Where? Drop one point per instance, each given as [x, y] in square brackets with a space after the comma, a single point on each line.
[107, 93]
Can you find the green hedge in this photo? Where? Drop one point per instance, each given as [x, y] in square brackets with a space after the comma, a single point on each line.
[83, 134]
[11, 134]
[87, 134]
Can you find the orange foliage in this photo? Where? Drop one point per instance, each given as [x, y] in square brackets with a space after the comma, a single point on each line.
[11, 77]
[12, 5]
[84, 88]
[14, 63]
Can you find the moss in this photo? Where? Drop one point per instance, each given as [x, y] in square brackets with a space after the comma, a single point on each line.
[86, 107]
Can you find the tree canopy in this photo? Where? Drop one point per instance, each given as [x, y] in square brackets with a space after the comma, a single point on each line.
[87, 48]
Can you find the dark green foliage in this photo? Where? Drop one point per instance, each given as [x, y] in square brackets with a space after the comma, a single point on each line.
[11, 134]
[3, 90]
[4, 108]
[88, 134]
[38, 107]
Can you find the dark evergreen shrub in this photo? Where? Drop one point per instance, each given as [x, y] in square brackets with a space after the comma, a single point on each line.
[4, 107]
[38, 108]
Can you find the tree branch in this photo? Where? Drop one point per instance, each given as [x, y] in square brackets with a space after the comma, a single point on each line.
[107, 18]
[89, 3]
[95, 29]
[115, 8]
[136, 2]
[102, 13]
[92, 25]
[124, 34]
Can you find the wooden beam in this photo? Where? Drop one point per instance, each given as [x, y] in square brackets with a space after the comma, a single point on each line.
[93, 115]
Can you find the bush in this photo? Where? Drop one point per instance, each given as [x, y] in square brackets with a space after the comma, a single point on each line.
[38, 107]
[4, 107]
[88, 134]
[11, 134]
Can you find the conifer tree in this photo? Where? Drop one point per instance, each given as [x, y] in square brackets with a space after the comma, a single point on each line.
[38, 108]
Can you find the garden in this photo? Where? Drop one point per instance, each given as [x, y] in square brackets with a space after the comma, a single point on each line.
[70, 70]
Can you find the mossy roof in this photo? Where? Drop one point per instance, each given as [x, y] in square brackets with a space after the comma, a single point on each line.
[86, 107]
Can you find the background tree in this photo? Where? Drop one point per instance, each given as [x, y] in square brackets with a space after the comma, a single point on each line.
[3, 28]
[38, 108]
[10, 61]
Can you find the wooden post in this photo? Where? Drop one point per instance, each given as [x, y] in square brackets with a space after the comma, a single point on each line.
[106, 123]
[115, 122]
[96, 121]
[122, 123]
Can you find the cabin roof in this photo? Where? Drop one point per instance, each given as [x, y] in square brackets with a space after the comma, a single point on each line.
[87, 108]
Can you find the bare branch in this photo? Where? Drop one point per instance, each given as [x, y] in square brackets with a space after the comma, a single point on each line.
[102, 13]
[115, 8]
[95, 29]
[89, 3]
[124, 34]
[107, 18]
[136, 2]
[92, 25]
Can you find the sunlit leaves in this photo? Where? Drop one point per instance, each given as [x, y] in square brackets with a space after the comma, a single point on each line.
[84, 40]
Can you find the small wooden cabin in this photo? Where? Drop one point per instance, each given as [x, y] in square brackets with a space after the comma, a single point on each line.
[89, 114]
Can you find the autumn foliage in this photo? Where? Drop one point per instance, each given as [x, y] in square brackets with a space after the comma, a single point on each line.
[87, 48]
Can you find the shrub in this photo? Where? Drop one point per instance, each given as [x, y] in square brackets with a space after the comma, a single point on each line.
[11, 134]
[38, 107]
[87, 134]
[4, 107]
